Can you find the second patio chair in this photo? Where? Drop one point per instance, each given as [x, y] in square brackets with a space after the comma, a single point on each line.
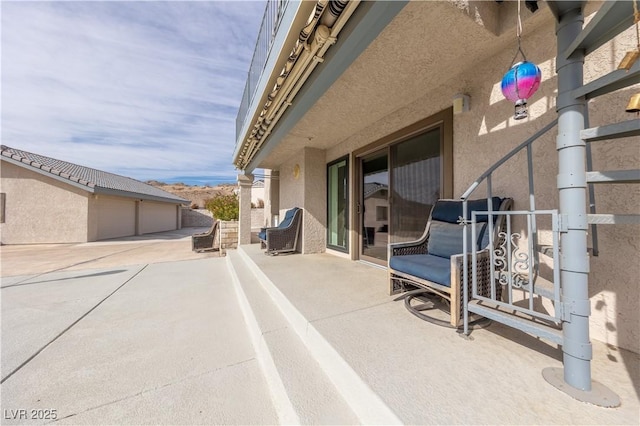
[284, 237]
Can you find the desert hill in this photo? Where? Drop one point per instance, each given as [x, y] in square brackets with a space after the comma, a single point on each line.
[196, 194]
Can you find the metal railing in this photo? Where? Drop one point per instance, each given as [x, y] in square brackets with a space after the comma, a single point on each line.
[515, 266]
[509, 265]
[274, 11]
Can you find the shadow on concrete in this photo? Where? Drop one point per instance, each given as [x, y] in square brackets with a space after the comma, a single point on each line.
[178, 234]
[97, 274]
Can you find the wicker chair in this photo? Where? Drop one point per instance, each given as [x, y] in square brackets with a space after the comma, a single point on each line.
[209, 240]
[284, 237]
[434, 263]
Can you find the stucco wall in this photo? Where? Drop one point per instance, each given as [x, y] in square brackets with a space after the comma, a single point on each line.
[306, 189]
[116, 217]
[488, 131]
[41, 209]
[315, 201]
[291, 186]
[157, 217]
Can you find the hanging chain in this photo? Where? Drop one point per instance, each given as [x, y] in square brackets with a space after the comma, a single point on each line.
[519, 37]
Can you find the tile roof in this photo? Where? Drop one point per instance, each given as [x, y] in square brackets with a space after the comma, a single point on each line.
[93, 180]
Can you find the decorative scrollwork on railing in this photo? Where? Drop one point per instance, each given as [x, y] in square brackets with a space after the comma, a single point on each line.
[512, 269]
[500, 253]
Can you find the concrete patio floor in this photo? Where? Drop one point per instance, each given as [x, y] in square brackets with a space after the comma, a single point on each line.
[113, 333]
[144, 331]
[426, 374]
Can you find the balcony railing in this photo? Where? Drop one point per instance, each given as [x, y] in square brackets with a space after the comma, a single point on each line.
[270, 22]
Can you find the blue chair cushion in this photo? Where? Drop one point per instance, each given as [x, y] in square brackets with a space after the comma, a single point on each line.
[445, 239]
[451, 210]
[431, 268]
[262, 235]
[288, 218]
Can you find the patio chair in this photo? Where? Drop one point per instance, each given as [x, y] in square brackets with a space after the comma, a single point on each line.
[284, 237]
[209, 240]
[434, 263]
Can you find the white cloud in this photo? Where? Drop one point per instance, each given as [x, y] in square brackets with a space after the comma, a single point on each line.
[149, 90]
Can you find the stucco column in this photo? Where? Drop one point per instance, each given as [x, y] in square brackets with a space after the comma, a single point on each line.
[244, 223]
[314, 229]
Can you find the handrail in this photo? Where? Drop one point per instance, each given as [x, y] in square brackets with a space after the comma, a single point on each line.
[273, 13]
[532, 225]
[513, 152]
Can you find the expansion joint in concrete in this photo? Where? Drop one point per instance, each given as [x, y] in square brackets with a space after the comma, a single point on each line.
[28, 360]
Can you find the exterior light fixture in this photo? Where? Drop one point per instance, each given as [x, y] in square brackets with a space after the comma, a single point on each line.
[460, 103]
[522, 80]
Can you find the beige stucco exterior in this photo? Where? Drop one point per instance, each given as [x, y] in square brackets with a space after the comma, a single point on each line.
[42, 209]
[303, 184]
[391, 86]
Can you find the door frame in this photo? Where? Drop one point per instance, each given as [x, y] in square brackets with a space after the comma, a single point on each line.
[444, 120]
[348, 208]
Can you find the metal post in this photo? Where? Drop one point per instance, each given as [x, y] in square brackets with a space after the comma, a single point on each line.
[572, 192]
[572, 184]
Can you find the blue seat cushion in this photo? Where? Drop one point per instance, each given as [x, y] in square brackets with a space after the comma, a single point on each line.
[288, 217]
[451, 210]
[428, 267]
[445, 239]
[262, 235]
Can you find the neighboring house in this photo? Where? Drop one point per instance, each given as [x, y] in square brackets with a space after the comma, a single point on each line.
[353, 93]
[45, 200]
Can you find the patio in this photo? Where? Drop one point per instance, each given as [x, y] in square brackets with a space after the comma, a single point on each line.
[114, 333]
[425, 374]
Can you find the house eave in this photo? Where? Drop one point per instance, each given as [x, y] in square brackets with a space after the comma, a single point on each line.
[89, 187]
[137, 196]
[53, 174]
[366, 23]
[294, 18]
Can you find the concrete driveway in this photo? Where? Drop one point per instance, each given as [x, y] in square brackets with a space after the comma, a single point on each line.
[136, 331]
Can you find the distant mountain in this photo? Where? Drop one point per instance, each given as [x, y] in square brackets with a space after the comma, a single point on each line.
[196, 194]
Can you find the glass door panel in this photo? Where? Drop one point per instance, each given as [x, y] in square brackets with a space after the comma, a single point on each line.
[337, 205]
[374, 209]
[415, 184]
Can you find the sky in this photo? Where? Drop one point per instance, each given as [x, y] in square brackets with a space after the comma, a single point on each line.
[148, 90]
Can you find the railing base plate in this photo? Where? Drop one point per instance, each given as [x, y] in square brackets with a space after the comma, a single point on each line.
[599, 394]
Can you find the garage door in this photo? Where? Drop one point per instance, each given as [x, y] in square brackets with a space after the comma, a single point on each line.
[158, 217]
[116, 217]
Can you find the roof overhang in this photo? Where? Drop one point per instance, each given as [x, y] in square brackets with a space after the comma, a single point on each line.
[90, 187]
[365, 79]
[356, 29]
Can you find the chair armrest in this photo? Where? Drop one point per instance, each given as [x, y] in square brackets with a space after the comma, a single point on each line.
[409, 247]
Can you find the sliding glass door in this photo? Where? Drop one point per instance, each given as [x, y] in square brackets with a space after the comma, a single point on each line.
[338, 205]
[374, 207]
[415, 183]
[398, 186]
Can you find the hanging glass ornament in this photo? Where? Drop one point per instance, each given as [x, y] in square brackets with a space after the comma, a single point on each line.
[522, 80]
